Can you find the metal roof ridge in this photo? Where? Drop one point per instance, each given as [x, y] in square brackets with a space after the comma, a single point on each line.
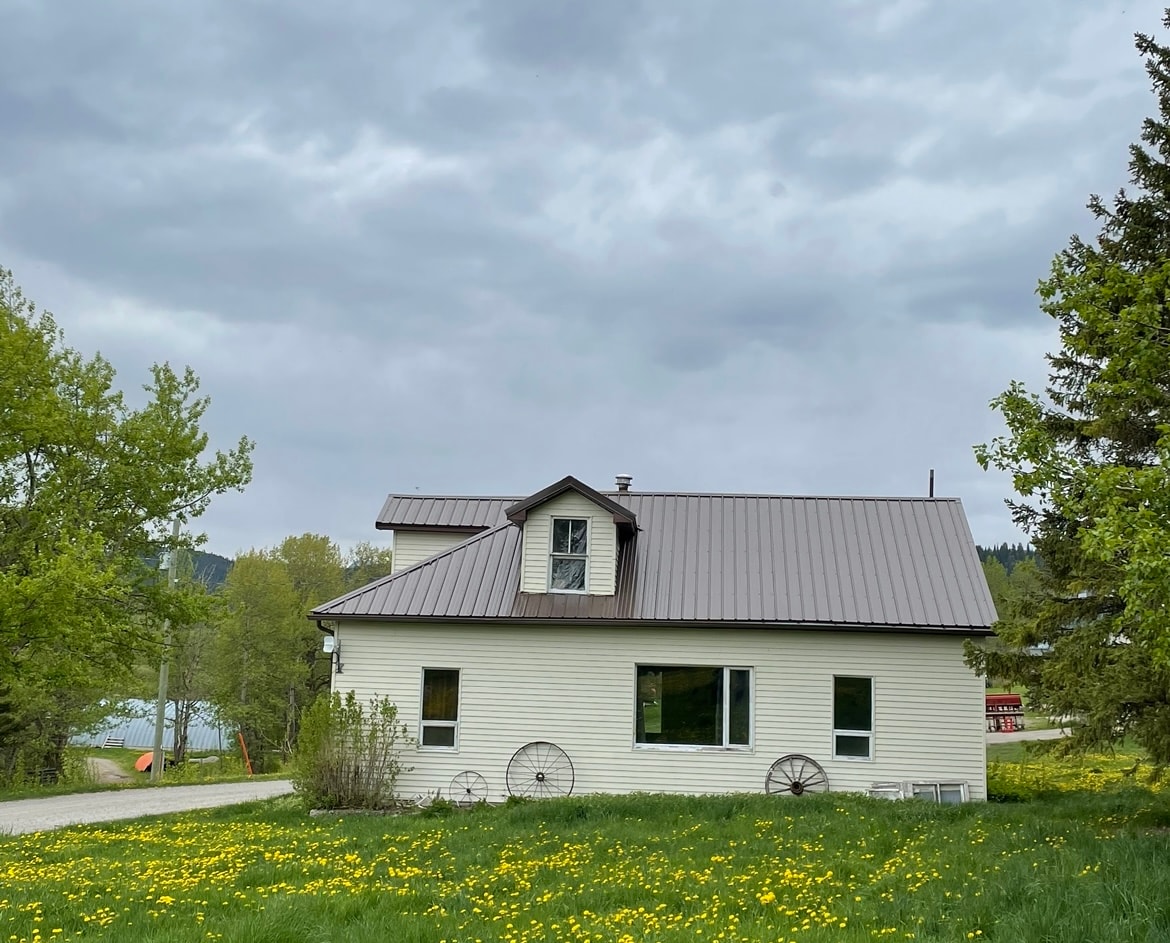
[684, 494]
[797, 497]
[451, 497]
[383, 580]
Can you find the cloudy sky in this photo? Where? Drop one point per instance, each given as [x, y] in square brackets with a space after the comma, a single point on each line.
[472, 247]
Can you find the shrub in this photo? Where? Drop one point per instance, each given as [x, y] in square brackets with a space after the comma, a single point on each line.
[439, 808]
[348, 755]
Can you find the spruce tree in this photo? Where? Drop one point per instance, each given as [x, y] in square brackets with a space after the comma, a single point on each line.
[1090, 460]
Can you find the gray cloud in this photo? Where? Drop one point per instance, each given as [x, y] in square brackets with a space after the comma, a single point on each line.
[476, 246]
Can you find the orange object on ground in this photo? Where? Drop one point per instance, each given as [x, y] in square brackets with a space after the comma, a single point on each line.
[244, 749]
[144, 762]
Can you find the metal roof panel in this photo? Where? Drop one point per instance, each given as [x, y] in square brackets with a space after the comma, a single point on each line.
[731, 559]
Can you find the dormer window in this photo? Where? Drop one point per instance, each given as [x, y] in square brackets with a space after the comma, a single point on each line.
[568, 561]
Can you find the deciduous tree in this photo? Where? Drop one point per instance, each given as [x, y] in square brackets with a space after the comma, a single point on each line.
[88, 487]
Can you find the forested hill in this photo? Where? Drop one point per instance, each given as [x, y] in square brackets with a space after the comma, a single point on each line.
[211, 569]
[1007, 554]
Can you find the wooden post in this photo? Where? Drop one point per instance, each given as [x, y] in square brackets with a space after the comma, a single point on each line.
[158, 763]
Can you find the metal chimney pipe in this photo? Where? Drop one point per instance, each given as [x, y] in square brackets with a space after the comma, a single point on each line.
[932, 483]
[623, 482]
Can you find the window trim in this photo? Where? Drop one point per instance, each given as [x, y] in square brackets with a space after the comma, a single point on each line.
[725, 747]
[453, 724]
[870, 734]
[569, 556]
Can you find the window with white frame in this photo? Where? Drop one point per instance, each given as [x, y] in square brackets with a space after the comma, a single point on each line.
[439, 717]
[852, 718]
[693, 706]
[569, 556]
[946, 793]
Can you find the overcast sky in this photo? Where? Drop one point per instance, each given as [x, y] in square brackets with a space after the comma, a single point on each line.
[470, 247]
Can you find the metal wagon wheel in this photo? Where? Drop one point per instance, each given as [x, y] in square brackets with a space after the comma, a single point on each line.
[467, 788]
[540, 770]
[794, 775]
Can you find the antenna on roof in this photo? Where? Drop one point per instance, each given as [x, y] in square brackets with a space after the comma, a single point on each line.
[931, 494]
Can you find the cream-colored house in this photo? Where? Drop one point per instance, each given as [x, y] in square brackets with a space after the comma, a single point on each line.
[588, 642]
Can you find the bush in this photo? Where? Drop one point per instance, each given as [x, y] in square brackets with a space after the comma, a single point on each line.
[348, 755]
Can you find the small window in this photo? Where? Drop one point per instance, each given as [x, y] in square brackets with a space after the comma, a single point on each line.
[570, 555]
[692, 706]
[439, 725]
[945, 793]
[853, 718]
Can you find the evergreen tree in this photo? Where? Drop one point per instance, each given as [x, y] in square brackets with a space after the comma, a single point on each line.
[1090, 463]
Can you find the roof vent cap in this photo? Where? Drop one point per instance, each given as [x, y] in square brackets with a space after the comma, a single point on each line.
[623, 482]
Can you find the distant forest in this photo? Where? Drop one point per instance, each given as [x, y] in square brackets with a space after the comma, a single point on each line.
[211, 569]
[1007, 554]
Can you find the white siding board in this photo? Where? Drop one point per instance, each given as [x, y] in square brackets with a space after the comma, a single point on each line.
[602, 576]
[411, 547]
[574, 686]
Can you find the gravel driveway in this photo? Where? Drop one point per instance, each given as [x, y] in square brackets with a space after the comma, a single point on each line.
[37, 815]
[1049, 733]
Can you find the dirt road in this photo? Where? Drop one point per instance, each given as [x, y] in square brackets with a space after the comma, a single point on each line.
[106, 771]
[1050, 733]
[21, 816]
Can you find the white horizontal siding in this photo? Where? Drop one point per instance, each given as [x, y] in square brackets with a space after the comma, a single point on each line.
[574, 686]
[411, 547]
[602, 568]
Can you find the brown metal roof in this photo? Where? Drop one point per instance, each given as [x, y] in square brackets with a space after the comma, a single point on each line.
[451, 512]
[733, 559]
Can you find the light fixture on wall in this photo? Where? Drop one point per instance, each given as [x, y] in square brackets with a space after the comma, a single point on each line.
[330, 647]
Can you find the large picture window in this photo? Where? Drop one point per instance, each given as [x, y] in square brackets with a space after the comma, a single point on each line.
[439, 724]
[853, 718]
[693, 706]
[570, 555]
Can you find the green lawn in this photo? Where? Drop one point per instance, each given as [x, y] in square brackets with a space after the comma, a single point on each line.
[1080, 867]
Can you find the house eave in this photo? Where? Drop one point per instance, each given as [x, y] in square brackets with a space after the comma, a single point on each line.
[881, 629]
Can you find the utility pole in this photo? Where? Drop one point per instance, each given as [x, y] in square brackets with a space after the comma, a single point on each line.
[160, 711]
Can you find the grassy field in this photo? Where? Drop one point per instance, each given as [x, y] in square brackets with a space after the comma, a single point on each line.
[1084, 866]
[1018, 771]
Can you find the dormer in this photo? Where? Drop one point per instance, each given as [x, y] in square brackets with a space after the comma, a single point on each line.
[571, 539]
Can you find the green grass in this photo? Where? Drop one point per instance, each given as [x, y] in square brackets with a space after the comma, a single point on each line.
[655, 868]
[1019, 771]
[76, 779]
